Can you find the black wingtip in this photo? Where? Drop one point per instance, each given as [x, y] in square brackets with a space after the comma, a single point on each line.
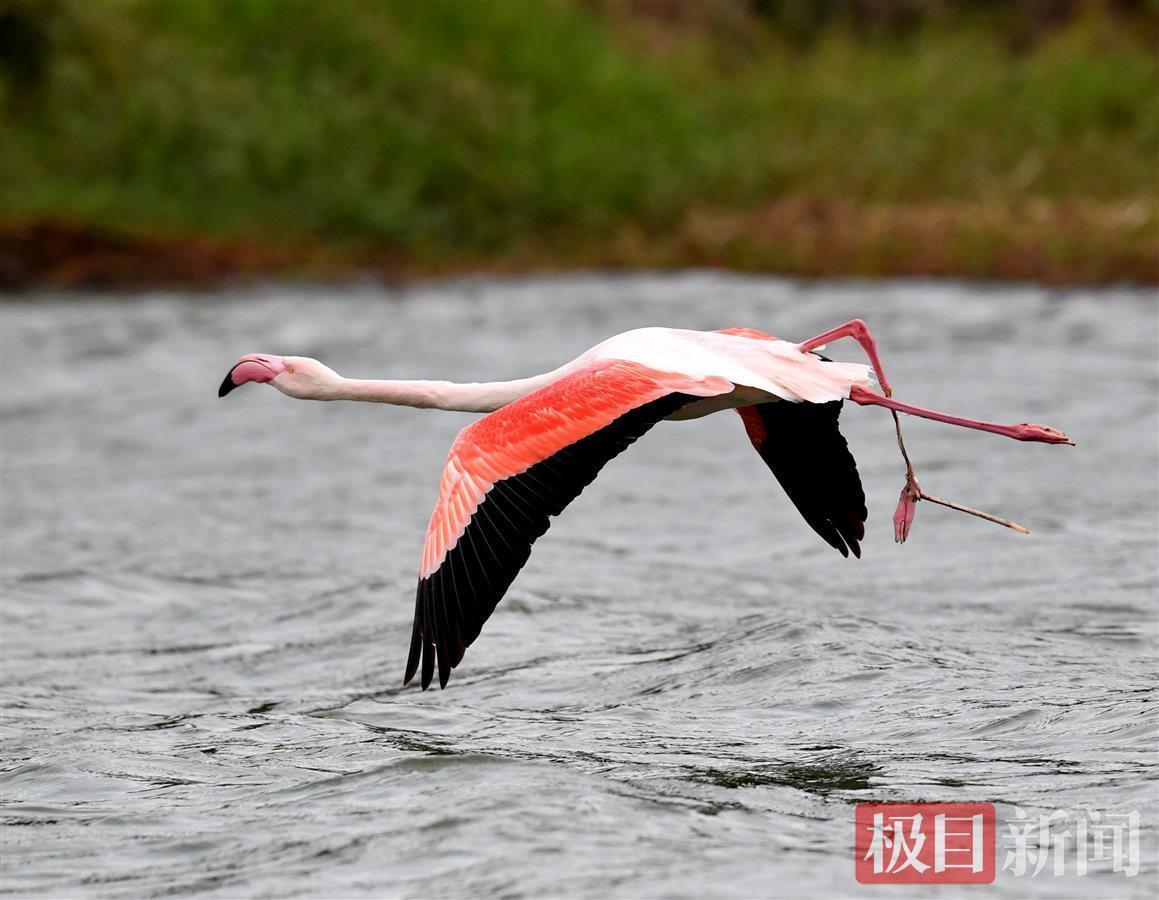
[416, 642]
[412, 666]
[428, 664]
[444, 661]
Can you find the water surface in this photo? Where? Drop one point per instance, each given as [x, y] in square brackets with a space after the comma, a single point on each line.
[206, 604]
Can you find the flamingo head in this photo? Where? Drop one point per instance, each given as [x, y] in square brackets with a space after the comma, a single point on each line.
[297, 376]
[1032, 432]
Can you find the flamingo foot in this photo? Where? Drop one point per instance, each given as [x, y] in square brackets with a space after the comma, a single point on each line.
[907, 507]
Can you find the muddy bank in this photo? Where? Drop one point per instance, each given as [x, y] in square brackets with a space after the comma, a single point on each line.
[1045, 242]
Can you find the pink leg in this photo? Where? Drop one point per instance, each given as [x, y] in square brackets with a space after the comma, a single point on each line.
[1024, 432]
[859, 331]
[911, 493]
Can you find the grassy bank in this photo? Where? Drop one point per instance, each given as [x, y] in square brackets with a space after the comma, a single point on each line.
[430, 136]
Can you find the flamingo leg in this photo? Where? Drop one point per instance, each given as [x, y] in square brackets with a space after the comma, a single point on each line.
[859, 331]
[1022, 432]
[912, 492]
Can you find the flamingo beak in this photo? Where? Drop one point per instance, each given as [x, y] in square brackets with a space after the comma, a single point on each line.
[255, 367]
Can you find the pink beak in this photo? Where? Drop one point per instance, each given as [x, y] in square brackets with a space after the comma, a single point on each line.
[254, 367]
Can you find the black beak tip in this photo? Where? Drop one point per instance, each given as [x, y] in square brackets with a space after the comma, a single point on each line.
[227, 385]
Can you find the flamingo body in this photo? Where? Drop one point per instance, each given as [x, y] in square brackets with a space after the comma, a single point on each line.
[546, 437]
[759, 366]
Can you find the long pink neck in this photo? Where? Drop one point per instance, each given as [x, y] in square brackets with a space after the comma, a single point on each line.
[449, 395]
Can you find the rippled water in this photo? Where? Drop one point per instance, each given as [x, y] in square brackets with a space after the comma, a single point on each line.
[206, 604]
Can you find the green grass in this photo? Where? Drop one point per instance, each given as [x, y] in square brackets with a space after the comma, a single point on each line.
[450, 130]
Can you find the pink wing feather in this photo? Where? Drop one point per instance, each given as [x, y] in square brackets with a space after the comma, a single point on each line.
[512, 439]
[507, 473]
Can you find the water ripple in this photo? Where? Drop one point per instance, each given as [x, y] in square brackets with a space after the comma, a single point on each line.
[205, 605]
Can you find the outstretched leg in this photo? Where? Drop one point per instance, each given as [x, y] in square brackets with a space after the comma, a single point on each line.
[859, 331]
[1022, 432]
[911, 493]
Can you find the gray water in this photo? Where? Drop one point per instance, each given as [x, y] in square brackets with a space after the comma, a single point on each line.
[207, 603]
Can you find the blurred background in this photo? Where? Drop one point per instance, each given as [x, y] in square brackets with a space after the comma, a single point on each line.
[183, 142]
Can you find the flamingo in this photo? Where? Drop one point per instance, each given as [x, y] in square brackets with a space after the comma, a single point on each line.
[545, 438]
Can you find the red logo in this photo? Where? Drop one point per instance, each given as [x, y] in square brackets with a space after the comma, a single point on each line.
[925, 843]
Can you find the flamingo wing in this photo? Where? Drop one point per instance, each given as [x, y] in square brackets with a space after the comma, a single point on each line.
[803, 447]
[507, 474]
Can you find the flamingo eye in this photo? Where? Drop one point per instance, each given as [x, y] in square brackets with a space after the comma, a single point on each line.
[290, 369]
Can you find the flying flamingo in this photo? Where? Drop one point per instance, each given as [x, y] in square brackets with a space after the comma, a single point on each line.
[545, 438]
